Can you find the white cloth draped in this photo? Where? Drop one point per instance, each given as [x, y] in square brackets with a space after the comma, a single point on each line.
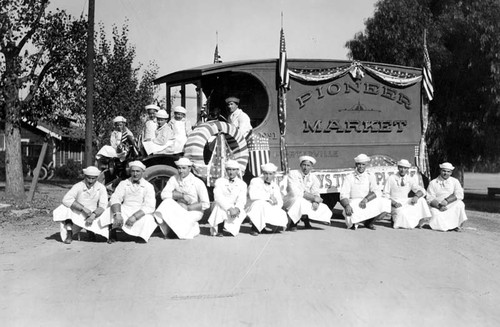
[163, 141]
[355, 187]
[228, 195]
[91, 198]
[134, 197]
[294, 202]
[259, 210]
[439, 189]
[373, 208]
[183, 222]
[409, 215]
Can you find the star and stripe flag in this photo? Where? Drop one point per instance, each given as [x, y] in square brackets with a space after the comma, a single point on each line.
[283, 86]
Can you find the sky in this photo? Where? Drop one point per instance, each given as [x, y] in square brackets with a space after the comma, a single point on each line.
[181, 34]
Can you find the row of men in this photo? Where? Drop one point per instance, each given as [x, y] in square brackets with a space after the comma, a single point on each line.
[160, 135]
[185, 198]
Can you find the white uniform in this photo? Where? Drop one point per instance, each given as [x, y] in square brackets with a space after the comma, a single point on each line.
[408, 215]
[439, 189]
[294, 202]
[259, 210]
[181, 129]
[134, 197]
[355, 187]
[163, 141]
[115, 150]
[149, 130]
[241, 120]
[183, 222]
[228, 195]
[90, 198]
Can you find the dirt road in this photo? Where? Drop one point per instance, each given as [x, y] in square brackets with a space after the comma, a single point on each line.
[329, 276]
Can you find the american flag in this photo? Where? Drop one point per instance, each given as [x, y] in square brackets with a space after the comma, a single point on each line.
[428, 84]
[216, 167]
[258, 148]
[217, 58]
[283, 65]
[284, 84]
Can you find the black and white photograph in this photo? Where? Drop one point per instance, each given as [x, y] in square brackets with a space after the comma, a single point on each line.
[250, 163]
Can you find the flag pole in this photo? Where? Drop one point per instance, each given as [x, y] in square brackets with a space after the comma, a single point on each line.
[283, 85]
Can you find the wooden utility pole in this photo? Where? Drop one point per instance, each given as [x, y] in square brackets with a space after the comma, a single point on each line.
[90, 87]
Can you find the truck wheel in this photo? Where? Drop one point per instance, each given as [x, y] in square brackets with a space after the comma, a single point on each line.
[159, 175]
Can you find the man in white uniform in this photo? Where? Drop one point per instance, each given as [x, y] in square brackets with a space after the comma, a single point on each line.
[265, 201]
[163, 141]
[406, 212]
[150, 125]
[359, 195]
[238, 117]
[82, 207]
[230, 196]
[181, 127]
[302, 199]
[185, 198]
[132, 205]
[445, 195]
[121, 141]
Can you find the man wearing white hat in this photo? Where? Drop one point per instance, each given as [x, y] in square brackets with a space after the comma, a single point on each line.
[181, 127]
[302, 199]
[237, 116]
[185, 198]
[82, 207]
[132, 205]
[265, 201]
[150, 126]
[230, 195]
[445, 195]
[359, 197]
[406, 212]
[163, 140]
[121, 140]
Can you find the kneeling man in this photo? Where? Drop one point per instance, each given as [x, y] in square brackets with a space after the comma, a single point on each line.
[406, 212]
[265, 201]
[185, 199]
[358, 196]
[230, 195]
[302, 199]
[445, 195]
[82, 206]
[132, 205]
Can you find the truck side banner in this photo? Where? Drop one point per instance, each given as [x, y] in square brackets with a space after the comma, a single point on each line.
[331, 181]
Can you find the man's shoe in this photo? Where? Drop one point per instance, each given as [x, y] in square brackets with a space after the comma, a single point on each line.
[370, 226]
[254, 233]
[354, 227]
[219, 235]
[307, 224]
[69, 237]
[293, 229]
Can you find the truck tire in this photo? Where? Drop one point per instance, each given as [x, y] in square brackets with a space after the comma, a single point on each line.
[158, 175]
[199, 137]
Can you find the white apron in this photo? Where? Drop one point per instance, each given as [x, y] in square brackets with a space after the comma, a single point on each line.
[373, 208]
[61, 213]
[262, 212]
[452, 218]
[302, 207]
[184, 223]
[142, 228]
[408, 215]
[232, 225]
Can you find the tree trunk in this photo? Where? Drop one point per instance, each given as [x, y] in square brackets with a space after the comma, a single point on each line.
[14, 179]
[458, 173]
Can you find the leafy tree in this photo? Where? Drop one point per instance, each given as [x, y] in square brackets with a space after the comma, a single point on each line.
[35, 46]
[464, 44]
[118, 88]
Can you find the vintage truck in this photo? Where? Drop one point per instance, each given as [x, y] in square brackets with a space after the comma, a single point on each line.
[334, 111]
